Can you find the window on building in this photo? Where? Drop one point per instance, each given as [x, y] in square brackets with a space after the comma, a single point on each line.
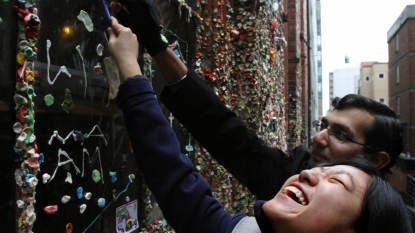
[367, 78]
[398, 105]
[318, 27]
[397, 42]
[382, 100]
[381, 75]
[397, 74]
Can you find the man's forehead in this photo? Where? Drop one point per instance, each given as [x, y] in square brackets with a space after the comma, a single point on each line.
[349, 118]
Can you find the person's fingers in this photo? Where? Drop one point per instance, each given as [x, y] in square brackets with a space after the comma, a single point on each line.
[116, 26]
[111, 33]
[114, 20]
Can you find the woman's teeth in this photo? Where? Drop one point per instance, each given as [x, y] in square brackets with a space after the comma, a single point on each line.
[290, 190]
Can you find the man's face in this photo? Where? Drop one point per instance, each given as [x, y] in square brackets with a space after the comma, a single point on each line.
[353, 122]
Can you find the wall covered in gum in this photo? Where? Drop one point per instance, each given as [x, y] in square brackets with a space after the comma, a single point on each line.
[72, 164]
[237, 48]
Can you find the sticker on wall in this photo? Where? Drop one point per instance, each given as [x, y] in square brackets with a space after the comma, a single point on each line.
[126, 217]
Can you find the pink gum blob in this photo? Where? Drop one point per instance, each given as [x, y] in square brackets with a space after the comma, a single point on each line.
[51, 209]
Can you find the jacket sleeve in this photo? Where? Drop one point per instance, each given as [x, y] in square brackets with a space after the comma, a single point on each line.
[183, 195]
[262, 169]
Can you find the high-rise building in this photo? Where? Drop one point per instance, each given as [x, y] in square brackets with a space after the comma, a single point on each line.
[401, 41]
[315, 64]
[401, 46]
[344, 81]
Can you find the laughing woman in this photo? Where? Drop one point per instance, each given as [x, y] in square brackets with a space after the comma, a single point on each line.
[347, 197]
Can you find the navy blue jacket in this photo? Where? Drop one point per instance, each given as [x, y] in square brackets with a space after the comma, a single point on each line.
[183, 195]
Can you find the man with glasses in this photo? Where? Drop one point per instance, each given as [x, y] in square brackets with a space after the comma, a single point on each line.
[336, 135]
[357, 126]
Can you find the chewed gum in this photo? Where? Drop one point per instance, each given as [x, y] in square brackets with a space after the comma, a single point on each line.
[51, 209]
[84, 17]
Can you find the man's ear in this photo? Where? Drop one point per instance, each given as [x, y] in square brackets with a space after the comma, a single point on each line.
[380, 159]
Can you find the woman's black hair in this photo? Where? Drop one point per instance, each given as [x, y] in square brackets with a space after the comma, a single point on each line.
[383, 210]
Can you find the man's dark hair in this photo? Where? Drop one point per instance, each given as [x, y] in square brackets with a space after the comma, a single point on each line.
[385, 133]
[383, 210]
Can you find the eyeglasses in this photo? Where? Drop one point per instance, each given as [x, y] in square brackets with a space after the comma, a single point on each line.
[337, 135]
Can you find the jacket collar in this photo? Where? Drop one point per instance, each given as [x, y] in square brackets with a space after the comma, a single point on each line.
[263, 222]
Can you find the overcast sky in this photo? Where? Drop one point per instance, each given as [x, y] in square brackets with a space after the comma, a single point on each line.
[357, 28]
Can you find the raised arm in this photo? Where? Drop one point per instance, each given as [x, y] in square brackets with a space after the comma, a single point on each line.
[183, 195]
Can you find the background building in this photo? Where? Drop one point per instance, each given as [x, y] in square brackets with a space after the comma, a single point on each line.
[297, 74]
[401, 46]
[315, 87]
[373, 82]
[344, 81]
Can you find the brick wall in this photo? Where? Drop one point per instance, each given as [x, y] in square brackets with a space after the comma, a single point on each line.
[406, 69]
[294, 74]
[404, 58]
[304, 73]
[406, 41]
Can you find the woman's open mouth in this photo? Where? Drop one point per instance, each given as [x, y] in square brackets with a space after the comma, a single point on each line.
[295, 194]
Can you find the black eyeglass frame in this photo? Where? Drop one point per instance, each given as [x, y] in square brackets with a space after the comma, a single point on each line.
[320, 124]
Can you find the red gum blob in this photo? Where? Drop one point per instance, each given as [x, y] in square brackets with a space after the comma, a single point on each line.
[33, 161]
[51, 209]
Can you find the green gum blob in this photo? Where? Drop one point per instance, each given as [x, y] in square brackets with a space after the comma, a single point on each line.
[96, 175]
[67, 103]
[49, 100]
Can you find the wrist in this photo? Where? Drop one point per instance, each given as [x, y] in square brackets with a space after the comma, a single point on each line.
[129, 69]
[176, 82]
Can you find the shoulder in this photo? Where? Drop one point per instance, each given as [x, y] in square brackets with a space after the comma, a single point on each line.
[301, 151]
[300, 156]
[247, 224]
